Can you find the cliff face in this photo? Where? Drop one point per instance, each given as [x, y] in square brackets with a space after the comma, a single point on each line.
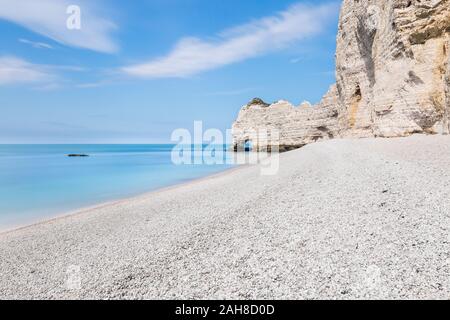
[297, 126]
[392, 78]
[390, 66]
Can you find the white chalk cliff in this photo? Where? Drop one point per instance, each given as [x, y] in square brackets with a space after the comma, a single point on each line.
[392, 79]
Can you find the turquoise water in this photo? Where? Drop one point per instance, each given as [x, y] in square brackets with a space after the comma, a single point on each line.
[39, 181]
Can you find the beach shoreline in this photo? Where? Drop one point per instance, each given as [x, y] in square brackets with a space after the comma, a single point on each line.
[342, 219]
[87, 209]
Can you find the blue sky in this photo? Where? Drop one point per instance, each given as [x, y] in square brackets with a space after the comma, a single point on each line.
[137, 70]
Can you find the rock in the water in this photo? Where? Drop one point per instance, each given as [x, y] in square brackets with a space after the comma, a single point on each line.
[392, 78]
[77, 155]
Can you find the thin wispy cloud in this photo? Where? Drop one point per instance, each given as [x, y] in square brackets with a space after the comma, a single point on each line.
[43, 77]
[295, 60]
[49, 18]
[52, 86]
[18, 71]
[91, 85]
[191, 56]
[37, 45]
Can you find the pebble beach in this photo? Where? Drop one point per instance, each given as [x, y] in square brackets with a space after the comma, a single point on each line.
[342, 219]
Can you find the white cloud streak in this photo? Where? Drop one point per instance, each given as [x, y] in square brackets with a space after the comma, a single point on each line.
[193, 55]
[49, 18]
[17, 71]
[37, 45]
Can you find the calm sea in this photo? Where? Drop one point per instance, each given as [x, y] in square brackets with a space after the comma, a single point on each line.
[39, 181]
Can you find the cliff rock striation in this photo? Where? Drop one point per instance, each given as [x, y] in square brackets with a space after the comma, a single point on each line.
[392, 79]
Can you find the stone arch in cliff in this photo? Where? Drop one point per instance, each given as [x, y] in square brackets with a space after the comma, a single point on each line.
[248, 145]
